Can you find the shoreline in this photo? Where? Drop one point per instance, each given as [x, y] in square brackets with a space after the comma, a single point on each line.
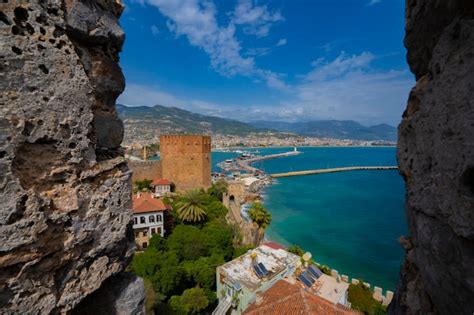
[303, 146]
[267, 237]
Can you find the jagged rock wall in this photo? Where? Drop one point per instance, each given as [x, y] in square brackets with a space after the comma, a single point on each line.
[436, 158]
[64, 184]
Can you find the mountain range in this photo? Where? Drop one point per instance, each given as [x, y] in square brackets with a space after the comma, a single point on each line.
[336, 129]
[146, 121]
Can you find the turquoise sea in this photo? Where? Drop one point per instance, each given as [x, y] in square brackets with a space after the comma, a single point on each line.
[349, 221]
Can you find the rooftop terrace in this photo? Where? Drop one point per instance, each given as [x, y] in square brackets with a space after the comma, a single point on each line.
[240, 271]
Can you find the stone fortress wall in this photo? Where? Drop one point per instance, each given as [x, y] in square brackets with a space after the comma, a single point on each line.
[186, 161]
[145, 169]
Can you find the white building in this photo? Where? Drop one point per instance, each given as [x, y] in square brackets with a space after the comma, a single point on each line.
[148, 218]
[161, 186]
[239, 280]
[243, 282]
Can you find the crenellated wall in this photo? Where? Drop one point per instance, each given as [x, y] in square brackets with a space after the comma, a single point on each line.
[149, 169]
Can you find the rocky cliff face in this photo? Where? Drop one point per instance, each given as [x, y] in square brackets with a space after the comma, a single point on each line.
[436, 158]
[64, 185]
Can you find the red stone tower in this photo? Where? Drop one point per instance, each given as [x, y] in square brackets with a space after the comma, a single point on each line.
[186, 161]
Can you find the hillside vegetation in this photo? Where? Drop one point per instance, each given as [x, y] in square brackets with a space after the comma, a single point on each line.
[171, 120]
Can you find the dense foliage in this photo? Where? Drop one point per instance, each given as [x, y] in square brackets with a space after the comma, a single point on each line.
[218, 189]
[361, 299]
[182, 267]
[143, 185]
[295, 249]
[260, 215]
[190, 206]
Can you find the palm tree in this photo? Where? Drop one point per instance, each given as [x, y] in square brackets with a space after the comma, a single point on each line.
[190, 207]
[260, 215]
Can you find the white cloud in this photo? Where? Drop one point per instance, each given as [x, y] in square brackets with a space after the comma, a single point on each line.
[341, 65]
[196, 19]
[154, 30]
[257, 20]
[261, 51]
[372, 2]
[143, 95]
[349, 87]
[281, 42]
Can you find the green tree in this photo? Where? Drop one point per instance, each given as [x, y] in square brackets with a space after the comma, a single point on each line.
[143, 185]
[295, 249]
[260, 215]
[218, 189]
[189, 242]
[218, 237]
[215, 210]
[190, 207]
[203, 271]
[192, 301]
[361, 299]
[239, 251]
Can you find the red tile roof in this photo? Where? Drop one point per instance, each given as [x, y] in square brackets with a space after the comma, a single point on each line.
[143, 203]
[160, 181]
[274, 245]
[286, 298]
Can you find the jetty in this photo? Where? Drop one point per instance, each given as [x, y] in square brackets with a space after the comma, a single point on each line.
[245, 164]
[335, 170]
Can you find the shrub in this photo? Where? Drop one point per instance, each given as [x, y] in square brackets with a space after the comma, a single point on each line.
[143, 185]
[218, 189]
[295, 249]
[361, 299]
[190, 302]
[239, 251]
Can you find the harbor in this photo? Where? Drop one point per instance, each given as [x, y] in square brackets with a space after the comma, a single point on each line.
[325, 204]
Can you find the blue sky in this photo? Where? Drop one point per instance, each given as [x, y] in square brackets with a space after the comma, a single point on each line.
[268, 60]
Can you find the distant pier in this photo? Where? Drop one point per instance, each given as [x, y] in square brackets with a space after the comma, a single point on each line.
[335, 170]
[245, 164]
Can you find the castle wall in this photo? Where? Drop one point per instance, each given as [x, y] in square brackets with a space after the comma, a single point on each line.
[145, 169]
[186, 161]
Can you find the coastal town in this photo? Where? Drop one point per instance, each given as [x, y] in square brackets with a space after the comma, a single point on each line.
[136, 141]
[261, 278]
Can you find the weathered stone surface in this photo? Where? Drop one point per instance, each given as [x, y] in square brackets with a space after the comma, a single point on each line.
[436, 158]
[65, 220]
[118, 295]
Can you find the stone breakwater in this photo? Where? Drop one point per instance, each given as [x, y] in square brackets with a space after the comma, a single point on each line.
[335, 170]
[65, 219]
[244, 164]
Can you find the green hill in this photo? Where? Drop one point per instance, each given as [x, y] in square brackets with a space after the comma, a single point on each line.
[147, 123]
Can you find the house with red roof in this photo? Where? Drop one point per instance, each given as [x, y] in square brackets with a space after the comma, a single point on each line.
[148, 218]
[161, 186]
[288, 297]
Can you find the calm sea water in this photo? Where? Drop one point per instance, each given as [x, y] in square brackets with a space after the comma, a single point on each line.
[350, 221]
